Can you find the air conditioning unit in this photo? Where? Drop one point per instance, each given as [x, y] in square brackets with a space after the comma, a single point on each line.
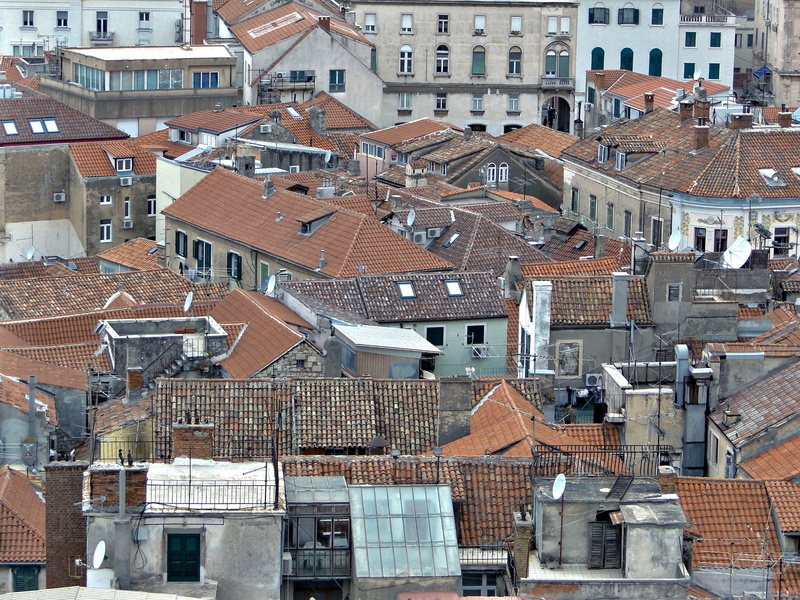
[127, 223]
[174, 135]
[588, 106]
[593, 380]
[280, 74]
[59, 197]
[294, 168]
[287, 564]
[433, 232]
[419, 238]
[480, 352]
[125, 181]
[265, 128]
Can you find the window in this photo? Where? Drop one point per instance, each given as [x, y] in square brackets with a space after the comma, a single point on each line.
[628, 16]
[626, 223]
[443, 24]
[372, 149]
[10, 128]
[151, 206]
[406, 23]
[699, 10]
[599, 16]
[406, 63]
[373, 60]
[690, 39]
[620, 161]
[656, 57]
[688, 70]
[605, 538]
[491, 173]
[593, 207]
[598, 59]
[183, 557]
[406, 289]
[476, 334]
[513, 103]
[441, 101]
[626, 59]
[126, 203]
[716, 39]
[713, 71]
[62, 18]
[480, 24]
[780, 241]
[124, 164]
[36, 126]
[208, 79]
[590, 95]
[602, 153]
[565, 23]
[515, 61]
[442, 60]
[550, 63]
[657, 16]
[609, 216]
[51, 126]
[477, 102]
[369, 23]
[181, 243]
[234, 268]
[26, 579]
[453, 288]
[720, 240]
[502, 173]
[27, 18]
[435, 335]
[574, 200]
[737, 40]
[673, 292]
[749, 40]
[656, 229]
[552, 25]
[101, 20]
[201, 251]
[405, 101]
[479, 60]
[479, 584]
[105, 230]
[144, 20]
[700, 239]
[713, 448]
[106, 200]
[336, 80]
[516, 26]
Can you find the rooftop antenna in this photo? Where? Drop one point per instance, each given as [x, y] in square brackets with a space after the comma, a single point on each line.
[559, 485]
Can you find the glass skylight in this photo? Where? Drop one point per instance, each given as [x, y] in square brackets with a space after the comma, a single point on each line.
[454, 288]
[406, 289]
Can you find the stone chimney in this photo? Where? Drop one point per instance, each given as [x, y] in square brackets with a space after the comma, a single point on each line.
[318, 121]
[649, 100]
[730, 417]
[599, 246]
[685, 110]
[701, 109]
[619, 299]
[269, 188]
[467, 132]
[512, 278]
[701, 133]
[192, 440]
[246, 165]
[455, 409]
[785, 119]
[542, 301]
[741, 121]
[600, 81]
[397, 202]
[667, 479]
[577, 125]
[353, 167]
[523, 532]
[325, 22]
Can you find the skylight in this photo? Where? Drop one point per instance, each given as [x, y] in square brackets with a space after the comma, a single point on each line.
[51, 125]
[452, 239]
[406, 289]
[454, 288]
[772, 177]
[10, 127]
[293, 112]
[36, 126]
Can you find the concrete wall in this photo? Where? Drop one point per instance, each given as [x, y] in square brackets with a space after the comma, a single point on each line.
[736, 582]
[14, 430]
[653, 552]
[172, 181]
[575, 531]
[619, 589]
[387, 589]
[143, 225]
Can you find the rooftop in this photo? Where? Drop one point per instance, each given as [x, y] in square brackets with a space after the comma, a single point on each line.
[97, 159]
[22, 522]
[139, 253]
[155, 53]
[542, 138]
[399, 134]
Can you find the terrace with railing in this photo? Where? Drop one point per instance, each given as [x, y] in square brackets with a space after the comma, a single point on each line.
[606, 461]
[210, 494]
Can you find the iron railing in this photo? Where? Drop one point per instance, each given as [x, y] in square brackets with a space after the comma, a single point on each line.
[210, 494]
[604, 461]
[496, 556]
[241, 449]
[323, 562]
[139, 450]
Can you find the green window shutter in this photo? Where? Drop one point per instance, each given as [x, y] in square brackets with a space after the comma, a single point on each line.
[26, 579]
[478, 61]
[606, 15]
[621, 15]
[183, 557]
[195, 249]
[591, 16]
[635, 16]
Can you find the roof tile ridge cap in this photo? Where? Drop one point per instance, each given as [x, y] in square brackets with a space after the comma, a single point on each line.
[280, 322]
[472, 237]
[507, 388]
[361, 297]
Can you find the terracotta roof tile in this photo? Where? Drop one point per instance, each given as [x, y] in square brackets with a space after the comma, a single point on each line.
[212, 121]
[92, 159]
[542, 138]
[770, 113]
[582, 243]
[594, 306]
[338, 115]
[137, 254]
[120, 412]
[299, 127]
[785, 497]
[73, 356]
[15, 393]
[159, 140]
[592, 266]
[512, 335]
[777, 462]
[514, 196]
[22, 520]
[22, 367]
[400, 134]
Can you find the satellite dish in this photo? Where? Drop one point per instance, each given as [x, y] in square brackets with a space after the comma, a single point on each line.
[738, 254]
[697, 74]
[187, 304]
[270, 286]
[559, 485]
[411, 217]
[674, 241]
[99, 555]
[29, 254]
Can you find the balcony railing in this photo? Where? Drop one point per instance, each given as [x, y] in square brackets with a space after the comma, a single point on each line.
[325, 563]
[707, 19]
[101, 36]
[486, 556]
[558, 83]
[608, 461]
[242, 449]
[210, 494]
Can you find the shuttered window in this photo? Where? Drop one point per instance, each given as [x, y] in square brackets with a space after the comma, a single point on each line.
[26, 579]
[605, 546]
[183, 557]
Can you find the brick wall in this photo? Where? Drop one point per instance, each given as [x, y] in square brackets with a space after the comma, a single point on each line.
[64, 523]
[300, 361]
[105, 483]
[192, 440]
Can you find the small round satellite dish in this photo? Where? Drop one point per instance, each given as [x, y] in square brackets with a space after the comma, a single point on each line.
[674, 241]
[411, 217]
[188, 302]
[559, 485]
[737, 255]
[270, 286]
[99, 555]
[29, 254]
[697, 74]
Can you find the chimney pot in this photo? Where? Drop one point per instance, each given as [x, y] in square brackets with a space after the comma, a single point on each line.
[685, 111]
[785, 119]
[649, 100]
[192, 440]
[700, 134]
[702, 108]
[741, 121]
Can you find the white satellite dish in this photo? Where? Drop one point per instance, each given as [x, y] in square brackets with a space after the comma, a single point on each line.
[99, 555]
[674, 241]
[411, 217]
[559, 485]
[738, 254]
[270, 286]
[697, 74]
[29, 254]
[187, 304]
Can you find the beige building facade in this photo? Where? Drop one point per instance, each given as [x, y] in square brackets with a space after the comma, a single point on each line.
[777, 47]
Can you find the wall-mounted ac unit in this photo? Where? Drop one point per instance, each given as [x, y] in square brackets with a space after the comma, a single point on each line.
[125, 181]
[59, 197]
[280, 74]
[127, 223]
[174, 135]
[588, 106]
[480, 352]
[287, 564]
[593, 379]
[294, 168]
[265, 128]
[419, 238]
[433, 232]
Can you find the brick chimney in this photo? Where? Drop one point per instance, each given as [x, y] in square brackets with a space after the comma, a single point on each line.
[192, 440]
[685, 111]
[600, 81]
[649, 100]
[325, 22]
[701, 134]
[666, 479]
[701, 109]
[65, 526]
[785, 119]
[455, 408]
[741, 121]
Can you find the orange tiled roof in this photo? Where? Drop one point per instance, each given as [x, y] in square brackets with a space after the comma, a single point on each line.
[399, 134]
[212, 121]
[349, 240]
[592, 266]
[159, 140]
[15, 393]
[785, 497]
[582, 243]
[770, 113]
[776, 462]
[338, 115]
[121, 412]
[93, 160]
[72, 356]
[137, 254]
[23, 367]
[750, 312]
[22, 520]
[594, 305]
[299, 127]
[542, 138]
[537, 203]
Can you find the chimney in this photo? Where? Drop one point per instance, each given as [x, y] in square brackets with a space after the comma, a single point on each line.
[269, 188]
[467, 132]
[3, 76]
[455, 408]
[649, 100]
[194, 440]
[246, 165]
[667, 479]
[325, 22]
[397, 202]
[701, 109]
[512, 278]
[275, 115]
[785, 119]
[701, 134]
[741, 121]
[730, 418]
[541, 305]
[65, 525]
[218, 107]
[318, 121]
[600, 81]
[32, 407]
[578, 128]
[685, 111]
[619, 299]
[322, 261]
[599, 246]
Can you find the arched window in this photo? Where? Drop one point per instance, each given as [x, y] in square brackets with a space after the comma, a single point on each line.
[503, 173]
[515, 61]
[479, 60]
[626, 59]
[598, 59]
[442, 60]
[655, 62]
[406, 64]
[491, 173]
[563, 63]
[550, 64]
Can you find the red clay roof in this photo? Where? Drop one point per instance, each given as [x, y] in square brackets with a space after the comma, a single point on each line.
[338, 115]
[582, 243]
[22, 367]
[93, 159]
[159, 140]
[15, 393]
[777, 462]
[22, 520]
[135, 254]
[212, 121]
[542, 138]
[785, 497]
[399, 134]
[71, 356]
[591, 266]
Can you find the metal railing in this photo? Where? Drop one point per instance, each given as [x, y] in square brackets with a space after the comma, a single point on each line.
[497, 556]
[101, 36]
[211, 494]
[607, 461]
[139, 450]
[323, 562]
[550, 83]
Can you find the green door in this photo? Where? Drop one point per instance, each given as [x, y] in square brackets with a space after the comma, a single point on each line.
[183, 557]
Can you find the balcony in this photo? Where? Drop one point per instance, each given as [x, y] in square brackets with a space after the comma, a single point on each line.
[712, 19]
[558, 83]
[604, 461]
[101, 38]
[210, 494]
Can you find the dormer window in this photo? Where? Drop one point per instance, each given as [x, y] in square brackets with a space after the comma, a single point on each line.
[621, 161]
[602, 153]
[305, 228]
[406, 289]
[124, 164]
[772, 177]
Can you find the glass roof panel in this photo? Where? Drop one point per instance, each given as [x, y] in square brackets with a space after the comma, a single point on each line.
[316, 490]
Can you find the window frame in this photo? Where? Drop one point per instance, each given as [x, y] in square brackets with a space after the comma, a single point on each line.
[183, 576]
[513, 103]
[713, 449]
[627, 223]
[700, 236]
[234, 265]
[126, 207]
[689, 67]
[205, 80]
[478, 63]
[453, 288]
[123, 165]
[690, 39]
[491, 173]
[106, 232]
[435, 328]
[593, 208]
[407, 23]
[404, 101]
[714, 71]
[337, 81]
[203, 260]
[441, 101]
[406, 64]
[574, 200]
[628, 15]
[599, 15]
[442, 65]
[610, 216]
[370, 24]
[470, 330]
[715, 36]
[502, 172]
[477, 102]
[518, 29]
[28, 18]
[443, 24]
[181, 243]
[479, 22]
[62, 19]
[515, 60]
[657, 16]
[152, 206]
[106, 200]
[406, 290]
[10, 127]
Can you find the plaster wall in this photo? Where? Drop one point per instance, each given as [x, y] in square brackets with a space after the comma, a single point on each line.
[653, 552]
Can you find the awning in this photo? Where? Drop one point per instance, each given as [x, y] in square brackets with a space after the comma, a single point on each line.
[761, 71]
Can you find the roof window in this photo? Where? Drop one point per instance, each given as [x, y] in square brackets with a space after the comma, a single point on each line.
[51, 126]
[10, 127]
[36, 126]
[453, 288]
[406, 289]
[772, 177]
[451, 239]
